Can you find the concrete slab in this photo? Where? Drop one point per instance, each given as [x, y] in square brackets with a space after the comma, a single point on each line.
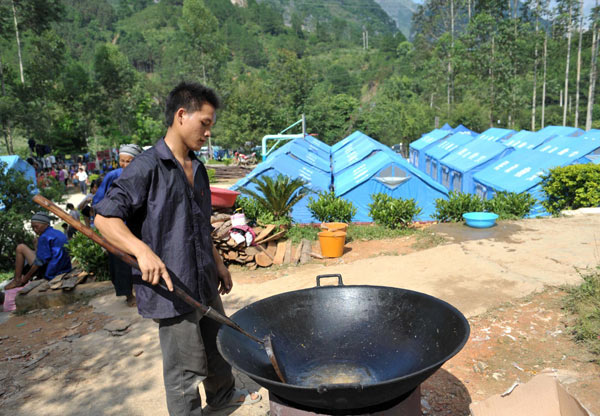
[50, 298]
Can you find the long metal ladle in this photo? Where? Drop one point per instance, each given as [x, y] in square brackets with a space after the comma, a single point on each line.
[209, 312]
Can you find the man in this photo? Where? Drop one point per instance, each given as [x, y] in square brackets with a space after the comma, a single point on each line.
[82, 178]
[120, 272]
[164, 197]
[50, 258]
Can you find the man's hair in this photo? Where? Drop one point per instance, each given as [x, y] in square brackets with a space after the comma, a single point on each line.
[190, 96]
[70, 206]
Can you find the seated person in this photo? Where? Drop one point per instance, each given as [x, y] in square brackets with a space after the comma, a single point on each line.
[51, 253]
[75, 214]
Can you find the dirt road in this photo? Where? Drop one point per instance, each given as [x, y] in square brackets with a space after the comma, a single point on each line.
[476, 270]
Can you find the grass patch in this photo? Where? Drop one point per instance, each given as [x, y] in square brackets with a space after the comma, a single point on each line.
[584, 302]
[375, 232]
[427, 239]
[297, 233]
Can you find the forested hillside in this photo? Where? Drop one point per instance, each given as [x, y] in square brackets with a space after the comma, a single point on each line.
[95, 72]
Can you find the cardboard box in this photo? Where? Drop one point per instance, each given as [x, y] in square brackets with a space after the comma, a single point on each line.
[543, 395]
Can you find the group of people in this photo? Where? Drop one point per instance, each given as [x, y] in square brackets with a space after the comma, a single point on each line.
[157, 207]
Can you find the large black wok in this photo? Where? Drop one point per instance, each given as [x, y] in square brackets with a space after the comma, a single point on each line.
[345, 347]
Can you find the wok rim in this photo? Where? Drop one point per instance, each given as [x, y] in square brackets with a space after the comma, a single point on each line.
[340, 386]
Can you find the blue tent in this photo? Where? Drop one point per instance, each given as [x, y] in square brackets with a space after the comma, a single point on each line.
[355, 151]
[495, 134]
[287, 165]
[418, 147]
[463, 129]
[520, 140]
[306, 152]
[458, 168]
[356, 136]
[447, 127]
[308, 143]
[15, 162]
[528, 140]
[389, 173]
[579, 149]
[440, 150]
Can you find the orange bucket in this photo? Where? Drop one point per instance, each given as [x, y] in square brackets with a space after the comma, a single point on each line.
[332, 243]
[334, 226]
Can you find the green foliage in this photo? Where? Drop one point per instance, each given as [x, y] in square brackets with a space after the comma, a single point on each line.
[54, 190]
[90, 256]
[297, 233]
[508, 205]
[12, 233]
[571, 187]
[452, 209]
[329, 208]
[16, 191]
[584, 302]
[212, 175]
[277, 196]
[375, 232]
[393, 212]
[251, 208]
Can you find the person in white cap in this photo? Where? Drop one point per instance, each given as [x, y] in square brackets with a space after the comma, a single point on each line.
[120, 272]
[48, 260]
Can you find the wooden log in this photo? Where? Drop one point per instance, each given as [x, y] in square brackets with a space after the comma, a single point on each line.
[297, 253]
[217, 225]
[316, 255]
[264, 233]
[251, 266]
[288, 252]
[272, 248]
[279, 253]
[219, 218]
[252, 250]
[263, 260]
[306, 249]
[264, 250]
[274, 237]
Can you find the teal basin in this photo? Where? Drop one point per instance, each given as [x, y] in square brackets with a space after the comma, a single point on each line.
[480, 219]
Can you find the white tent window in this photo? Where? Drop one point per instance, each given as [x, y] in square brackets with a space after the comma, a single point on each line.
[428, 166]
[457, 182]
[392, 176]
[434, 170]
[594, 156]
[480, 191]
[445, 176]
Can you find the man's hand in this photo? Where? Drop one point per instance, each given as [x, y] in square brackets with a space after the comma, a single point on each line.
[225, 282]
[153, 269]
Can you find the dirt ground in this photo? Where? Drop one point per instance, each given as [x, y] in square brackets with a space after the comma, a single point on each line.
[62, 361]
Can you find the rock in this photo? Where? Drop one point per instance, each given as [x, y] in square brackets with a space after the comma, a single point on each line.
[117, 325]
[138, 352]
[479, 367]
[497, 376]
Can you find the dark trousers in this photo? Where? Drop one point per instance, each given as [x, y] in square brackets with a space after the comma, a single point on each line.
[190, 356]
[120, 275]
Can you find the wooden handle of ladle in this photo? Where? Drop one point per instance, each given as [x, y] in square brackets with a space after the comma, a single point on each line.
[88, 232]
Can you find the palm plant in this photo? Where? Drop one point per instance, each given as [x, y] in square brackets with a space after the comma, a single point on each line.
[277, 195]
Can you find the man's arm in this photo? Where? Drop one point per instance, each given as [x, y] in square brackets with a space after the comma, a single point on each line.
[226, 284]
[117, 233]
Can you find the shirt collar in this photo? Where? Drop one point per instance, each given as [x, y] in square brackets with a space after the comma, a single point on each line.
[165, 153]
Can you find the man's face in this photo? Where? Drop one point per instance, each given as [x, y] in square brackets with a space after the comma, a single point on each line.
[195, 127]
[125, 160]
[38, 227]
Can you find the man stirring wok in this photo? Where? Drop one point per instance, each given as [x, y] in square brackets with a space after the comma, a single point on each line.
[164, 198]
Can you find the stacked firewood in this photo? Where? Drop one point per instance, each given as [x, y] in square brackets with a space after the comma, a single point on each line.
[267, 249]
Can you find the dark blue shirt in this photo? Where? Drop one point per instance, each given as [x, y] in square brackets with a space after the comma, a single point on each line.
[162, 209]
[51, 250]
[105, 185]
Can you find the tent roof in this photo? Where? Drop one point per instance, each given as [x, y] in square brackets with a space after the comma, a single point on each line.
[367, 168]
[292, 167]
[306, 152]
[346, 140]
[524, 139]
[473, 154]
[495, 134]
[446, 127]
[568, 148]
[355, 151]
[521, 170]
[452, 143]
[428, 138]
[463, 129]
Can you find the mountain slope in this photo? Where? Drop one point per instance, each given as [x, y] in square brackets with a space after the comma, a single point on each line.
[401, 11]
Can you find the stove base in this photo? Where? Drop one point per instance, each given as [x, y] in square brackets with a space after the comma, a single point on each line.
[409, 406]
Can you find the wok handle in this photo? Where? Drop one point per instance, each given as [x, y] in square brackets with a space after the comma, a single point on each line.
[322, 276]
